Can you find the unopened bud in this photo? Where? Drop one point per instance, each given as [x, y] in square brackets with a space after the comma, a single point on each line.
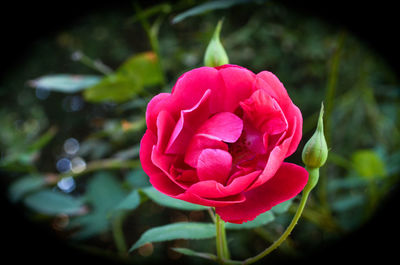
[215, 54]
[315, 151]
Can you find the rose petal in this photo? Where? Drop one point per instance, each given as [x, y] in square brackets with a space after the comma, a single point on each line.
[224, 126]
[216, 202]
[187, 91]
[248, 146]
[274, 87]
[295, 132]
[165, 126]
[275, 159]
[213, 189]
[189, 176]
[254, 140]
[166, 164]
[264, 112]
[214, 164]
[187, 124]
[270, 83]
[192, 85]
[157, 177]
[288, 181]
[153, 109]
[197, 144]
[238, 85]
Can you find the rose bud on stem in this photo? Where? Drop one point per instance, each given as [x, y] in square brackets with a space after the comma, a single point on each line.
[215, 54]
[315, 152]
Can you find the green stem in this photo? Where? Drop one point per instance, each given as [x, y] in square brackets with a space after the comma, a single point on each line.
[211, 213]
[152, 32]
[222, 246]
[329, 104]
[118, 233]
[94, 64]
[313, 179]
[267, 236]
[331, 85]
[102, 164]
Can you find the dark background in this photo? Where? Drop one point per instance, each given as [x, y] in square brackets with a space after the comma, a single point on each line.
[22, 23]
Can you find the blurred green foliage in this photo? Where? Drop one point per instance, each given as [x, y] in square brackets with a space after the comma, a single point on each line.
[101, 198]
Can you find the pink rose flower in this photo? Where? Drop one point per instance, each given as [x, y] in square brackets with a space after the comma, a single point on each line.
[220, 139]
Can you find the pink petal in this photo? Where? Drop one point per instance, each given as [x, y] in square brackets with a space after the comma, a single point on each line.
[249, 144]
[154, 107]
[188, 123]
[271, 84]
[197, 144]
[288, 181]
[187, 176]
[157, 177]
[214, 164]
[264, 112]
[192, 85]
[254, 140]
[217, 202]
[274, 87]
[165, 126]
[238, 85]
[224, 126]
[212, 189]
[275, 159]
[187, 91]
[296, 130]
[166, 164]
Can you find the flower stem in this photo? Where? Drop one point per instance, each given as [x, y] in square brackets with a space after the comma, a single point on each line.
[222, 246]
[211, 213]
[313, 179]
[118, 233]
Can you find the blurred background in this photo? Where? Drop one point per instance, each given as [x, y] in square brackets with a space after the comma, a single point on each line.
[72, 115]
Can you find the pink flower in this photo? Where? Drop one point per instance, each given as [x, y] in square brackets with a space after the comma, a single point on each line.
[220, 139]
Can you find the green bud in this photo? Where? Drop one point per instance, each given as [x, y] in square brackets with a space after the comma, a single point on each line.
[315, 151]
[215, 54]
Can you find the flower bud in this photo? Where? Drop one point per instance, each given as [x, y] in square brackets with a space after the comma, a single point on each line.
[215, 53]
[315, 151]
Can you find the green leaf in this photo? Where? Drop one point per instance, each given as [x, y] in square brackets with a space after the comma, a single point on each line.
[142, 67]
[24, 185]
[368, 164]
[208, 6]
[260, 220]
[115, 88]
[128, 80]
[181, 230]
[138, 178]
[282, 207]
[90, 225]
[66, 83]
[131, 202]
[51, 202]
[167, 201]
[103, 193]
[189, 252]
